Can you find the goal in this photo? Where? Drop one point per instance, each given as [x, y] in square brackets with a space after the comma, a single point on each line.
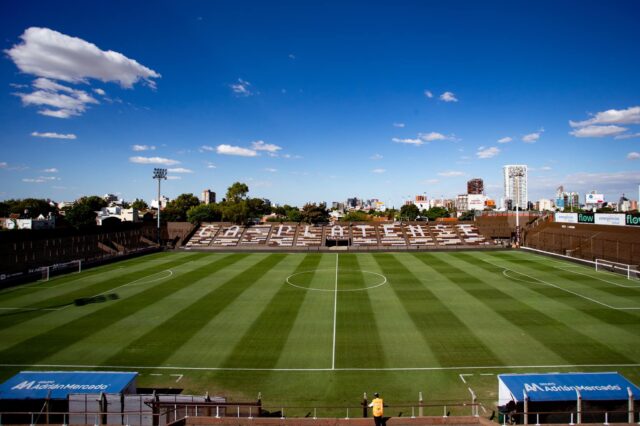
[630, 271]
[60, 268]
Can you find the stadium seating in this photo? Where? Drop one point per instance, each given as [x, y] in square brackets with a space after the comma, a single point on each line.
[357, 235]
[282, 235]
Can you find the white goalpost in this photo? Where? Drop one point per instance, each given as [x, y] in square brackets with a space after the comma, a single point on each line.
[630, 271]
[67, 267]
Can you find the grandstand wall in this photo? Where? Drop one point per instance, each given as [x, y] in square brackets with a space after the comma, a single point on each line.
[586, 241]
[355, 236]
[23, 252]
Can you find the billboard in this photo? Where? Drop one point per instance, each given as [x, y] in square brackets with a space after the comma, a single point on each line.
[567, 217]
[609, 219]
[476, 201]
[594, 199]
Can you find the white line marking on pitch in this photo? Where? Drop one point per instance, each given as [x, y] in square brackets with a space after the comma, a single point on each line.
[335, 315]
[485, 367]
[179, 376]
[563, 289]
[462, 377]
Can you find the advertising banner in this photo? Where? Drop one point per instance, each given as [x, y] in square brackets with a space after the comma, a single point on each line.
[594, 198]
[586, 217]
[610, 219]
[567, 217]
[632, 219]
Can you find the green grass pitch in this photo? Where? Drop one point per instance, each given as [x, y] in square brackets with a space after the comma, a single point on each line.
[311, 330]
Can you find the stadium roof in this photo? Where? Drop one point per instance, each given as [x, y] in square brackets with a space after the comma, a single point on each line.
[38, 384]
[563, 386]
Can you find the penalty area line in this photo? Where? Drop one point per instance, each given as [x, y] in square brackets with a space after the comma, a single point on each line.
[240, 369]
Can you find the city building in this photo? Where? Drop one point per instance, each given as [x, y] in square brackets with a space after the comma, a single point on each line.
[466, 202]
[515, 185]
[475, 186]
[40, 222]
[163, 203]
[421, 202]
[208, 197]
[624, 205]
[544, 205]
[594, 200]
[124, 215]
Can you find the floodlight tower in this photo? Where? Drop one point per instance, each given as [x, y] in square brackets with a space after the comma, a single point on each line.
[517, 172]
[159, 174]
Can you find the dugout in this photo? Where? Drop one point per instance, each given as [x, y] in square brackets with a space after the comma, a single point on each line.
[567, 398]
[48, 392]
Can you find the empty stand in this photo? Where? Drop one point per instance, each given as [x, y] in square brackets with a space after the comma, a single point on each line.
[418, 234]
[204, 235]
[256, 235]
[392, 235]
[309, 236]
[228, 236]
[365, 235]
[282, 235]
[445, 234]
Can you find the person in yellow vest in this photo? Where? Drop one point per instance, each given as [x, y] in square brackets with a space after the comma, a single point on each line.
[378, 409]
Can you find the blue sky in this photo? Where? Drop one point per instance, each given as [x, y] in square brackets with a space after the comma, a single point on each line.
[318, 101]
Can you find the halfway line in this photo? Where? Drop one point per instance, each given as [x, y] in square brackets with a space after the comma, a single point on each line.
[335, 313]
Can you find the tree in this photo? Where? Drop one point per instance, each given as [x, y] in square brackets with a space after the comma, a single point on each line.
[409, 212]
[139, 204]
[315, 213]
[204, 213]
[237, 192]
[94, 202]
[435, 212]
[176, 210]
[468, 215]
[80, 215]
[4, 209]
[30, 207]
[294, 215]
[356, 216]
[258, 207]
[237, 212]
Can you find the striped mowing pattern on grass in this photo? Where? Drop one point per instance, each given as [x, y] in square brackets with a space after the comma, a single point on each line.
[324, 327]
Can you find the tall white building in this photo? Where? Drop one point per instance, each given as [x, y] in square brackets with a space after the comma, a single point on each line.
[515, 185]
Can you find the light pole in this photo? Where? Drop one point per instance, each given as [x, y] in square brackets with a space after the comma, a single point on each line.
[514, 173]
[159, 174]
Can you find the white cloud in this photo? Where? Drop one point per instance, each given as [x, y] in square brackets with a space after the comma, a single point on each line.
[292, 56]
[597, 131]
[262, 146]
[630, 156]
[628, 136]
[431, 181]
[47, 53]
[31, 180]
[211, 166]
[616, 182]
[143, 147]
[506, 139]
[52, 135]
[153, 160]
[174, 177]
[448, 97]
[487, 152]
[51, 170]
[242, 88]
[399, 125]
[546, 168]
[180, 170]
[100, 92]
[451, 173]
[3, 165]
[416, 142]
[612, 116]
[270, 170]
[207, 148]
[235, 150]
[434, 136]
[57, 100]
[376, 157]
[532, 137]
[378, 171]
[428, 94]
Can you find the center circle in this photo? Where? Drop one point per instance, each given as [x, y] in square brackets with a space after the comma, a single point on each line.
[325, 280]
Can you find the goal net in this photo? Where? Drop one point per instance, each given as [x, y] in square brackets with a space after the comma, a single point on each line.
[630, 271]
[60, 268]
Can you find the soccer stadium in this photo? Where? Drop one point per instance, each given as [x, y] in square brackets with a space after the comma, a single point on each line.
[305, 321]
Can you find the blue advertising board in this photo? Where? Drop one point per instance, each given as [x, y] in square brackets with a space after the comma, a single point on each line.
[563, 387]
[38, 384]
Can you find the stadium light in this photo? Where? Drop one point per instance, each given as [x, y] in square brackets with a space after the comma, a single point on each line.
[159, 174]
[517, 172]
